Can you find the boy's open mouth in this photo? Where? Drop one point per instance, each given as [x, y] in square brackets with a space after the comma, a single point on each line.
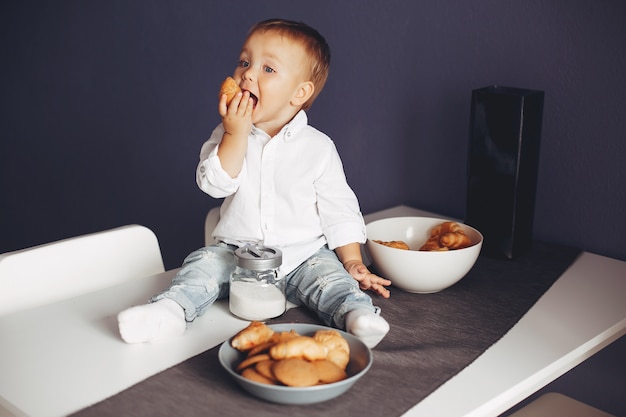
[254, 98]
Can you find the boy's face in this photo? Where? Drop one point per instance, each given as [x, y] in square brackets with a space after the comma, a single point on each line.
[273, 68]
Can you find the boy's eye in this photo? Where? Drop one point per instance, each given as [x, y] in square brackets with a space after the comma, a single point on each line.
[268, 69]
[244, 64]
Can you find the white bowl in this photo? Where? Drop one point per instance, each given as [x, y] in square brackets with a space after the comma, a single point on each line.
[419, 271]
[360, 362]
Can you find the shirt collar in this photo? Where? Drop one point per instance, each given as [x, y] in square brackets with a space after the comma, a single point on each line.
[291, 129]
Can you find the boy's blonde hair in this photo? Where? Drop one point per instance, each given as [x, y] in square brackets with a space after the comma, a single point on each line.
[315, 45]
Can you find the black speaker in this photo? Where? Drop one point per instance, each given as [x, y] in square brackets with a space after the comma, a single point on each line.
[503, 161]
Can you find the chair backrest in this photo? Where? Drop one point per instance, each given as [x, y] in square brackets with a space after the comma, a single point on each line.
[66, 268]
[209, 225]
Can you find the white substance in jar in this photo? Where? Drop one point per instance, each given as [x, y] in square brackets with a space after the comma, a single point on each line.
[253, 301]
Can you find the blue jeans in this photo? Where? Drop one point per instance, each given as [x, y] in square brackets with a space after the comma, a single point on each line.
[320, 283]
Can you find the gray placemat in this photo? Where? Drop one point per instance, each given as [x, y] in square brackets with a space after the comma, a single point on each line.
[432, 338]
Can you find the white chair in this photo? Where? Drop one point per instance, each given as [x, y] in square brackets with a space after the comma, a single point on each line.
[209, 225]
[59, 270]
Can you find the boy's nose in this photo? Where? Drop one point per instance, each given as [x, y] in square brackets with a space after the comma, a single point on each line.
[248, 75]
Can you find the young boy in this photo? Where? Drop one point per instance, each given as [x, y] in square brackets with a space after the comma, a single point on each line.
[284, 186]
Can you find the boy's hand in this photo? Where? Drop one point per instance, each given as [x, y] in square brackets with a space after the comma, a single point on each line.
[237, 116]
[237, 121]
[367, 280]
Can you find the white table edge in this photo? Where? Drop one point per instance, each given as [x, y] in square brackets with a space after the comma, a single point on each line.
[485, 400]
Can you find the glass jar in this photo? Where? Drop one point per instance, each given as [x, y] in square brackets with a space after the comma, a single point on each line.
[257, 292]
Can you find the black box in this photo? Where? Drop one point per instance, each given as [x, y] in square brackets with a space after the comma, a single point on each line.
[503, 162]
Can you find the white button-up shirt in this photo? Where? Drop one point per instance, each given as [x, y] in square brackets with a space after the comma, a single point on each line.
[291, 193]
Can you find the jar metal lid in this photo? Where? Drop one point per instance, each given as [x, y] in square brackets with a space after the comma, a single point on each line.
[258, 257]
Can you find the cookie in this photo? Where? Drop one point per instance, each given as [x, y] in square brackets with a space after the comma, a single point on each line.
[328, 372]
[397, 244]
[262, 348]
[283, 336]
[339, 357]
[332, 339]
[455, 240]
[446, 236]
[275, 339]
[230, 88]
[255, 334]
[253, 375]
[249, 361]
[265, 369]
[299, 347]
[295, 372]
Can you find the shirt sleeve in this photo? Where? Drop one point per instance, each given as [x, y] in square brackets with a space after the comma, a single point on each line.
[210, 176]
[342, 221]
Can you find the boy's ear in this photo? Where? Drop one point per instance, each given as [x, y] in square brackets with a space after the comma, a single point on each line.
[303, 93]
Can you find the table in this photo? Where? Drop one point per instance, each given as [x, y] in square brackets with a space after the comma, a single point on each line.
[54, 358]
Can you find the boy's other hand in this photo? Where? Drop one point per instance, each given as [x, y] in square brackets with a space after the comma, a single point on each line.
[366, 279]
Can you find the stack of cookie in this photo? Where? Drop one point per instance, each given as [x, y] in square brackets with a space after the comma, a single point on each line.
[446, 236]
[288, 358]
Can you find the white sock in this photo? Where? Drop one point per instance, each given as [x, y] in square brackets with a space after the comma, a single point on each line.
[160, 320]
[367, 326]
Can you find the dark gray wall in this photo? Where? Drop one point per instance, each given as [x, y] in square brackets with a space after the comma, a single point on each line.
[105, 104]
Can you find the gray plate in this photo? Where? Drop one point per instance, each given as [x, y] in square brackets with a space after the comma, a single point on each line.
[360, 362]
